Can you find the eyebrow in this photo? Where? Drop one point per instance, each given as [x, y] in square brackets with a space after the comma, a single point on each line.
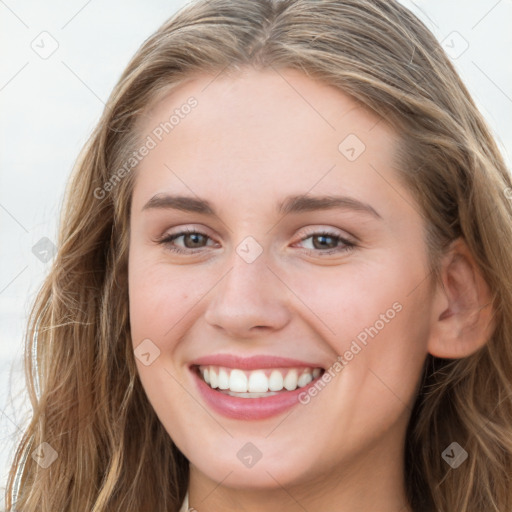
[291, 204]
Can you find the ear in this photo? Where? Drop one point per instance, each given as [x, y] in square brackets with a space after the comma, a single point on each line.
[462, 315]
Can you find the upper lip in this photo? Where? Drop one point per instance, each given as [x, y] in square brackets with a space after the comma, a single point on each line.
[252, 363]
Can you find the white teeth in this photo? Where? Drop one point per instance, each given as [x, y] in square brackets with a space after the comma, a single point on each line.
[238, 381]
[223, 379]
[275, 382]
[214, 380]
[257, 383]
[304, 379]
[250, 395]
[290, 381]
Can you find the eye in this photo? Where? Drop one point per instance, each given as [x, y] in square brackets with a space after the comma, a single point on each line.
[192, 239]
[326, 242]
[321, 242]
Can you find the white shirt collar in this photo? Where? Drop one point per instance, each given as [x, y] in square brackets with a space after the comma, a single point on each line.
[184, 507]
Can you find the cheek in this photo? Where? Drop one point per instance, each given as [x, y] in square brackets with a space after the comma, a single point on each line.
[163, 298]
[150, 311]
[374, 315]
[159, 300]
[345, 300]
[157, 296]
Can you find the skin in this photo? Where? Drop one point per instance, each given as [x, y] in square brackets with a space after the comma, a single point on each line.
[254, 138]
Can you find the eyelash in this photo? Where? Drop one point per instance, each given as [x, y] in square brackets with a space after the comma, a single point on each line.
[168, 239]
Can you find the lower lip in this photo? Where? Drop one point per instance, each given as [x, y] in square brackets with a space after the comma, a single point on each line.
[249, 408]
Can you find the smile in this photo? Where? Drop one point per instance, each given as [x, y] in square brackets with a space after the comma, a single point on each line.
[257, 383]
[252, 388]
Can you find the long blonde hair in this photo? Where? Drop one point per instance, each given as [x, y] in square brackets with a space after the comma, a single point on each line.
[88, 402]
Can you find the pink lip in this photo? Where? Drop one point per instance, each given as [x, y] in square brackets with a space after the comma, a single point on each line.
[252, 363]
[248, 408]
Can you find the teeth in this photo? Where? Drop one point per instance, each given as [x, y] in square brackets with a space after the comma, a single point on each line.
[214, 380]
[257, 383]
[223, 379]
[249, 395]
[275, 383]
[238, 381]
[290, 381]
[304, 379]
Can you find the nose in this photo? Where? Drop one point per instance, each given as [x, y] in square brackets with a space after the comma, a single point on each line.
[248, 300]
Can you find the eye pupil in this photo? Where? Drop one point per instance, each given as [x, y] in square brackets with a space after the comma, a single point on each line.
[196, 240]
[323, 239]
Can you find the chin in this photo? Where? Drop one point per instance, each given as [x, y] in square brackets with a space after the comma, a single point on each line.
[236, 469]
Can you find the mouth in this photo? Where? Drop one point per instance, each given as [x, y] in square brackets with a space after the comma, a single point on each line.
[253, 388]
[260, 383]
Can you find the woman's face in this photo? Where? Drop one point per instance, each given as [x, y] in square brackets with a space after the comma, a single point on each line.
[304, 259]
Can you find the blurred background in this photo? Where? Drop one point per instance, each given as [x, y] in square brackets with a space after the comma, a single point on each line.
[60, 61]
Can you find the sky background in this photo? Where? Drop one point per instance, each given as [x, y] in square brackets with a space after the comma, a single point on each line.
[60, 61]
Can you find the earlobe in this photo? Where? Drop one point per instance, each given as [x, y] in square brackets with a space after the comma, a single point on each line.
[462, 314]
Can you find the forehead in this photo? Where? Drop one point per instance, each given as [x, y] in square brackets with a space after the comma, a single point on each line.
[273, 130]
[255, 97]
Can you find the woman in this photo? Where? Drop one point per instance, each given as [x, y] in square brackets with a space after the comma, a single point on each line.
[282, 280]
